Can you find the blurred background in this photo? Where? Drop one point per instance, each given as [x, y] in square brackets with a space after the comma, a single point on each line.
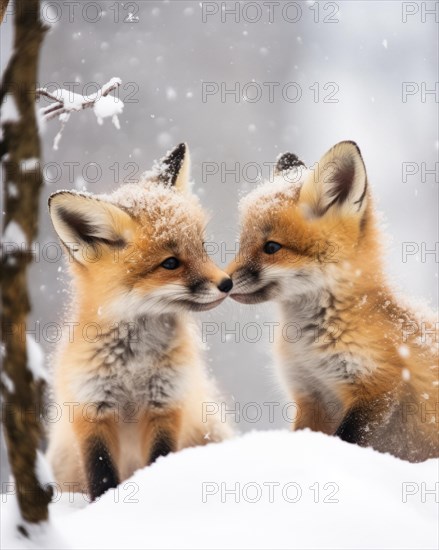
[300, 77]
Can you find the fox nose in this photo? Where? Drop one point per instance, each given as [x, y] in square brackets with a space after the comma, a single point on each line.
[225, 285]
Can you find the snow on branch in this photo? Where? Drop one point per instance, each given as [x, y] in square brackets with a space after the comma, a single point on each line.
[65, 102]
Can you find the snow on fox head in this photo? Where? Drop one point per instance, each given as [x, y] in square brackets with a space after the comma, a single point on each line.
[301, 228]
[140, 249]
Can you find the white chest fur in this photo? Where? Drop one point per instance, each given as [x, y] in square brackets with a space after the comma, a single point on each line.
[312, 356]
[132, 364]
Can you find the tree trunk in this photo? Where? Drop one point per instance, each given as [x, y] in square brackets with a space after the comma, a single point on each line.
[21, 389]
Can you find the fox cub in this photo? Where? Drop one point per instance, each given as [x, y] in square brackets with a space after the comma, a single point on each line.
[130, 379]
[356, 362]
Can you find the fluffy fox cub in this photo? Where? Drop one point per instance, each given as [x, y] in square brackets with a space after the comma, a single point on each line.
[129, 375]
[356, 362]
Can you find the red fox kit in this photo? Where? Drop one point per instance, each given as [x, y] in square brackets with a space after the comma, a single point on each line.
[130, 381]
[309, 241]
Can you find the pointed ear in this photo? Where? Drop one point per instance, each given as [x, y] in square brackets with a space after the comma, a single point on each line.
[339, 183]
[287, 161]
[85, 223]
[174, 168]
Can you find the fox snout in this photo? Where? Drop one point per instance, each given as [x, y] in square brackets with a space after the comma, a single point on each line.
[249, 286]
[215, 276]
[235, 272]
[207, 286]
[225, 285]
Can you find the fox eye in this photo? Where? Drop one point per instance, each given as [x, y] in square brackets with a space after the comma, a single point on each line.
[171, 263]
[271, 247]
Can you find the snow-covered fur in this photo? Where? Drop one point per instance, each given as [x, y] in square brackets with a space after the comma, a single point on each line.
[128, 376]
[356, 361]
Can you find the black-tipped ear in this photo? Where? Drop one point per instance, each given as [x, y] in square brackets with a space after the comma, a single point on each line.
[340, 183]
[287, 161]
[173, 169]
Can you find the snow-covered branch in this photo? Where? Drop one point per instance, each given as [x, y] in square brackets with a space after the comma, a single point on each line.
[65, 102]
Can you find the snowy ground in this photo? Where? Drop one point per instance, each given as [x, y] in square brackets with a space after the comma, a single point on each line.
[263, 490]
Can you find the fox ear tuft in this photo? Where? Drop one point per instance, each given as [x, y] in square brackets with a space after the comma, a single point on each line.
[339, 184]
[287, 161]
[174, 168]
[85, 222]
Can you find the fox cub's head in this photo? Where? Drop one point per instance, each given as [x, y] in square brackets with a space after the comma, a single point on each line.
[301, 228]
[140, 249]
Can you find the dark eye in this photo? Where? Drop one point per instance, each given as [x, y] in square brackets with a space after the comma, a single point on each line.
[171, 263]
[271, 247]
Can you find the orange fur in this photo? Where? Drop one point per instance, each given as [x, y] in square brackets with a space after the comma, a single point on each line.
[133, 364]
[355, 371]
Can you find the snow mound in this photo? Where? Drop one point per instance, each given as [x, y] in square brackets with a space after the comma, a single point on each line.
[264, 490]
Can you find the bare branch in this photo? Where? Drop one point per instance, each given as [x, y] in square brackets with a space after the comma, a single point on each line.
[43, 92]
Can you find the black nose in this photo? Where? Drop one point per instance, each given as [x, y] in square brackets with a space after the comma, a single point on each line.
[226, 285]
